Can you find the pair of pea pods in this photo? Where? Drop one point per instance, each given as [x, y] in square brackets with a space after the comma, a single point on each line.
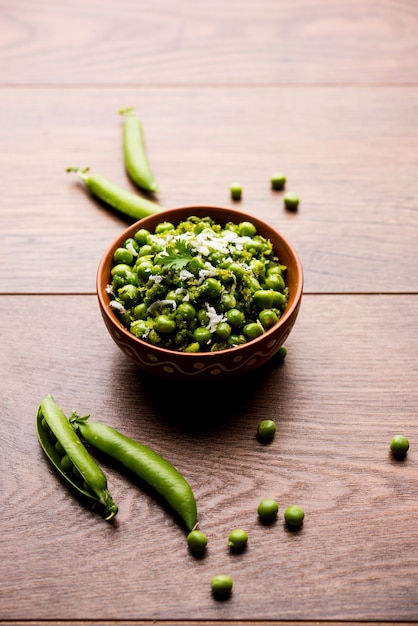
[132, 205]
[62, 439]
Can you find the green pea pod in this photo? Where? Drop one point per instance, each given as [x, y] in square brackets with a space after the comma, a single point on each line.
[60, 443]
[147, 464]
[127, 203]
[136, 162]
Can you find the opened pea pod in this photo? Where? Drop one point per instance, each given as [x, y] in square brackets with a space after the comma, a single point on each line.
[70, 458]
[147, 464]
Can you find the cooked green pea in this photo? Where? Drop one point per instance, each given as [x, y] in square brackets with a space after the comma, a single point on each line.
[221, 584]
[247, 229]
[202, 317]
[263, 298]
[291, 201]
[164, 324]
[141, 236]
[236, 191]
[223, 330]
[140, 311]
[252, 330]
[268, 317]
[266, 430]
[399, 445]
[237, 270]
[195, 265]
[129, 295]
[197, 541]
[185, 311]
[124, 256]
[268, 509]
[235, 317]
[275, 281]
[211, 287]
[294, 516]
[144, 270]
[279, 300]
[278, 180]
[201, 335]
[237, 539]
[228, 301]
[139, 328]
[163, 226]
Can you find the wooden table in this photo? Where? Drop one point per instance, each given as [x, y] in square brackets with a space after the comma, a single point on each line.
[324, 90]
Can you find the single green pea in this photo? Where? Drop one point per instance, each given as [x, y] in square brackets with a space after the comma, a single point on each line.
[291, 201]
[294, 516]
[144, 270]
[236, 191]
[202, 335]
[247, 229]
[275, 281]
[399, 445]
[185, 311]
[193, 347]
[121, 269]
[132, 245]
[268, 317]
[197, 541]
[278, 180]
[145, 250]
[221, 584]
[59, 449]
[202, 317]
[140, 312]
[268, 509]
[164, 324]
[237, 539]
[124, 256]
[211, 287]
[266, 430]
[228, 301]
[237, 270]
[253, 330]
[263, 298]
[235, 317]
[66, 463]
[141, 236]
[163, 227]
[195, 265]
[279, 300]
[223, 330]
[129, 295]
[279, 357]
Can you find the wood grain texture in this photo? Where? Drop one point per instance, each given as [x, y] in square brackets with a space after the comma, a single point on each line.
[347, 385]
[350, 153]
[218, 43]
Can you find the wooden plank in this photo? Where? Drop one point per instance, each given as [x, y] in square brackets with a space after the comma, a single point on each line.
[350, 154]
[159, 43]
[348, 384]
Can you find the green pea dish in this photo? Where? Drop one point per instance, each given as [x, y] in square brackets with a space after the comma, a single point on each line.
[199, 281]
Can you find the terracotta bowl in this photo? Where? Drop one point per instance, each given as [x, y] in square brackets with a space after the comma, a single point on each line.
[204, 366]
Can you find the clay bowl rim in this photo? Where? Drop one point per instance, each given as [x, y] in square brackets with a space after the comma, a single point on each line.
[230, 214]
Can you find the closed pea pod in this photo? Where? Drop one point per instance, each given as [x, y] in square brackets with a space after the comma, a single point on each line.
[147, 464]
[127, 203]
[70, 454]
[136, 161]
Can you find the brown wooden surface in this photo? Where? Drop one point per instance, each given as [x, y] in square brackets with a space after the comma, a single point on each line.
[324, 90]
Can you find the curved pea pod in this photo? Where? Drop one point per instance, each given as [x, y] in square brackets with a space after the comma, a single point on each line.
[70, 458]
[133, 206]
[147, 464]
[134, 154]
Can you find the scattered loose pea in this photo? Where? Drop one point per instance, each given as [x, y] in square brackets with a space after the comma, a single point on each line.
[221, 584]
[268, 509]
[237, 539]
[278, 180]
[291, 201]
[279, 357]
[197, 541]
[399, 445]
[236, 191]
[266, 430]
[294, 516]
